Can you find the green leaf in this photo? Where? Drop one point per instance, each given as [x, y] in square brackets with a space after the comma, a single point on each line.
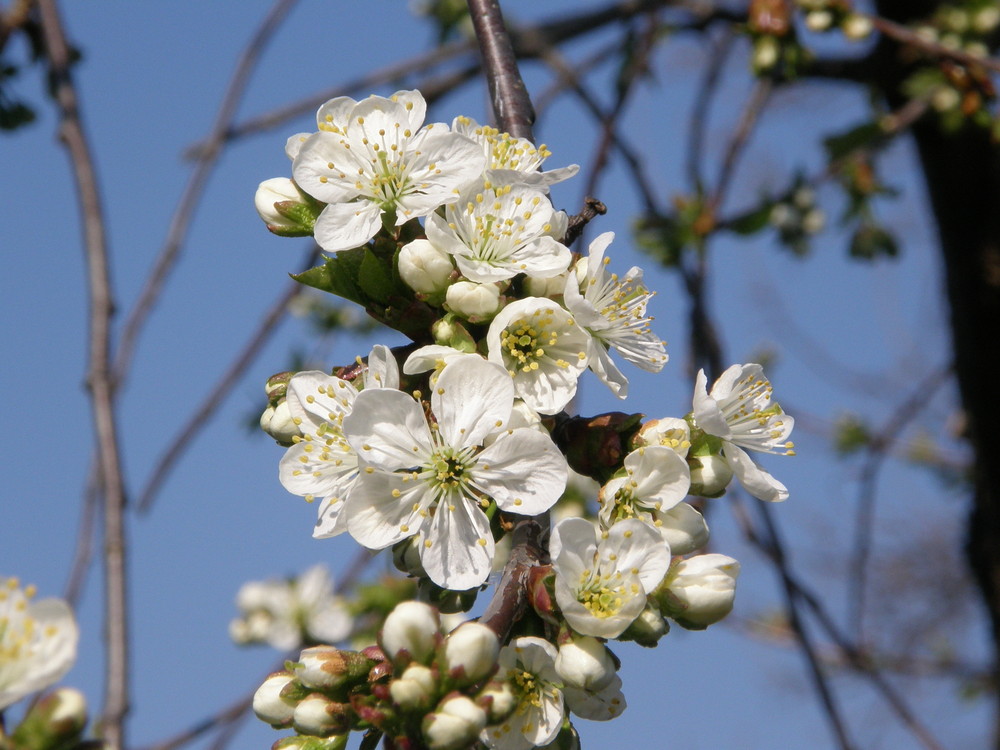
[861, 136]
[752, 221]
[375, 277]
[338, 275]
[871, 241]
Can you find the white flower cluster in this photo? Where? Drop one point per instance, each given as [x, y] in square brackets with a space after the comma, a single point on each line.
[285, 614]
[437, 453]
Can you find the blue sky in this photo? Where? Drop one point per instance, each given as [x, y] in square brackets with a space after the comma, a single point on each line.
[150, 84]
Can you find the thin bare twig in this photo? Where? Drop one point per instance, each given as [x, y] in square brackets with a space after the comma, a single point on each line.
[908, 36]
[878, 451]
[194, 188]
[99, 378]
[86, 533]
[738, 141]
[223, 387]
[699, 113]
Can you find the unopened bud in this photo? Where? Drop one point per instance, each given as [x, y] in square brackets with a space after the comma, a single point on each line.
[285, 209]
[271, 702]
[710, 475]
[551, 287]
[277, 421]
[411, 631]
[57, 721]
[819, 20]
[424, 268]
[456, 723]
[406, 558]
[475, 302]
[647, 629]
[327, 668]
[584, 662]
[319, 716]
[699, 591]
[986, 19]
[684, 529]
[498, 700]
[765, 53]
[856, 26]
[470, 653]
[414, 689]
[449, 331]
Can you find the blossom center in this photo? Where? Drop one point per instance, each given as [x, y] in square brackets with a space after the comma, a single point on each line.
[602, 594]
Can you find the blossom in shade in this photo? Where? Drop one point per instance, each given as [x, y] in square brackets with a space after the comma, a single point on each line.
[542, 348]
[517, 159]
[699, 591]
[382, 162]
[37, 641]
[495, 232]
[321, 463]
[739, 411]
[285, 614]
[602, 578]
[433, 479]
[613, 311]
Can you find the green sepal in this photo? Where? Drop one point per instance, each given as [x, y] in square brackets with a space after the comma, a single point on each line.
[871, 241]
[375, 278]
[752, 221]
[861, 136]
[338, 275]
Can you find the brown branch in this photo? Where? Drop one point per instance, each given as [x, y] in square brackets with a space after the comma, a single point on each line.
[905, 35]
[511, 103]
[99, 378]
[528, 545]
[194, 188]
[223, 387]
[878, 451]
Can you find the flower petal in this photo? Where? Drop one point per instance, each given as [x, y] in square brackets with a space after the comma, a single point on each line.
[472, 398]
[457, 545]
[757, 481]
[524, 472]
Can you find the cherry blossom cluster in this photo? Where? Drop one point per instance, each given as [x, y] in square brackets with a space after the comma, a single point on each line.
[447, 233]
[287, 614]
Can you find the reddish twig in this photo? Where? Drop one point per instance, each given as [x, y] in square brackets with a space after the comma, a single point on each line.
[99, 378]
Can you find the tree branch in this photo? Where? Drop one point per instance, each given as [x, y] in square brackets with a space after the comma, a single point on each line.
[99, 379]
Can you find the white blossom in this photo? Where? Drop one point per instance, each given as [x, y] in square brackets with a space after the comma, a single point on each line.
[321, 463]
[739, 412]
[517, 158]
[528, 666]
[613, 311]
[434, 480]
[656, 479]
[383, 161]
[602, 579]
[37, 641]
[498, 231]
[542, 348]
[284, 613]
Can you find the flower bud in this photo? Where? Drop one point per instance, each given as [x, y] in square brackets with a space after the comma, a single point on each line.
[319, 716]
[710, 475]
[551, 287]
[765, 53]
[470, 653]
[285, 209]
[406, 558]
[475, 302]
[424, 268]
[449, 331]
[271, 702]
[819, 20]
[414, 689]
[456, 723]
[584, 662]
[56, 721]
[699, 591]
[326, 668]
[647, 629]
[277, 421]
[856, 26]
[411, 631]
[986, 19]
[813, 221]
[684, 529]
[498, 700]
